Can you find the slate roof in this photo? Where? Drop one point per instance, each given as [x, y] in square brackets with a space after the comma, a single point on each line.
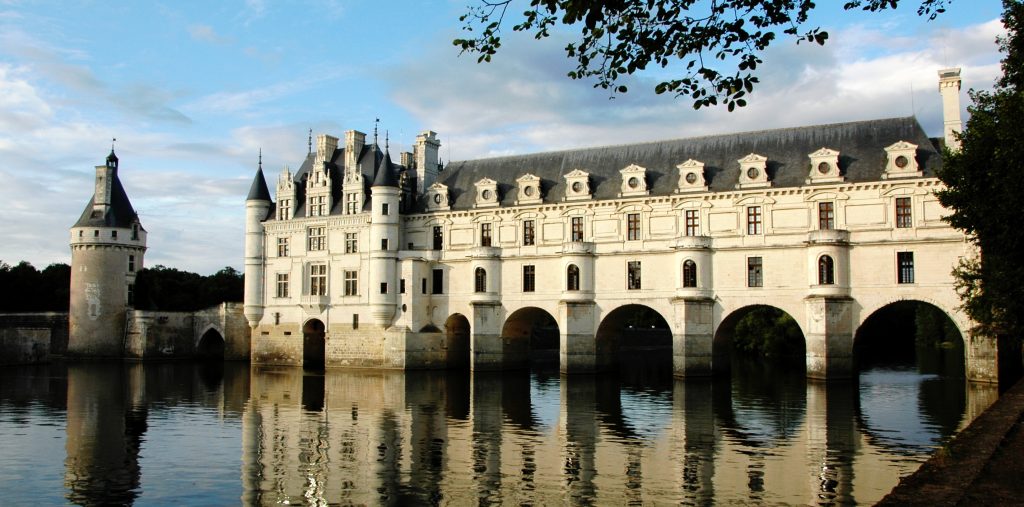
[861, 146]
[258, 191]
[119, 214]
[369, 158]
[385, 176]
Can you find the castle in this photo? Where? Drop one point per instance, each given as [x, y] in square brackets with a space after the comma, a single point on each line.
[361, 261]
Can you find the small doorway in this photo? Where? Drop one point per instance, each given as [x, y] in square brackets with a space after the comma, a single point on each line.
[314, 345]
[211, 346]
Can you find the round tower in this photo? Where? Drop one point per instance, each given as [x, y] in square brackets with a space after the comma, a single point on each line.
[257, 209]
[107, 248]
[384, 222]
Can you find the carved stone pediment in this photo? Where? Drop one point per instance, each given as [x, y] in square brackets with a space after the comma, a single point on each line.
[437, 197]
[634, 181]
[577, 185]
[691, 177]
[753, 172]
[486, 193]
[901, 161]
[824, 167]
[529, 189]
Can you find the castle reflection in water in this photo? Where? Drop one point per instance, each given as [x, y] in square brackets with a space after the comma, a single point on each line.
[173, 433]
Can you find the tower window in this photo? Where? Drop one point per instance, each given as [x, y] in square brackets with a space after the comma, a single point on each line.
[384, 244]
[384, 209]
[438, 237]
[96, 233]
[383, 287]
[113, 234]
[401, 286]
[131, 294]
[826, 270]
[528, 232]
[480, 280]
[689, 273]
[135, 232]
[485, 234]
[576, 224]
[572, 278]
[131, 263]
[438, 285]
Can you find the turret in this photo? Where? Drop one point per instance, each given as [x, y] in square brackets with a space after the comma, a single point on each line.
[257, 209]
[949, 87]
[107, 248]
[384, 222]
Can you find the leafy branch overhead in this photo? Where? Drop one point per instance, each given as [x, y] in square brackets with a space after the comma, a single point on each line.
[718, 42]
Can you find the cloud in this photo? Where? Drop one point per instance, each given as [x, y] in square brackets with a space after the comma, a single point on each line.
[206, 33]
[522, 101]
[247, 100]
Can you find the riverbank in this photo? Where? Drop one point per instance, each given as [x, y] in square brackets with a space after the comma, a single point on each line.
[983, 465]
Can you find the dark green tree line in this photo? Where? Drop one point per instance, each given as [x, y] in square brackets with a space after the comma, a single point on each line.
[26, 289]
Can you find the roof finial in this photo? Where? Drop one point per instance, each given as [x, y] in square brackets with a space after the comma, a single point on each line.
[309, 143]
[375, 122]
[112, 141]
[385, 140]
[261, 158]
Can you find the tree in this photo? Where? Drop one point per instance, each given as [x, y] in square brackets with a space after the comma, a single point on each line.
[620, 37]
[983, 191]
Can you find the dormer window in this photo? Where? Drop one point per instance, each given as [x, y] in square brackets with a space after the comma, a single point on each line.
[901, 161]
[437, 197]
[486, 193]
[634, 181]
[824, 167]
[577, 185]
[529, 189]
[691, 177]
[753, 172]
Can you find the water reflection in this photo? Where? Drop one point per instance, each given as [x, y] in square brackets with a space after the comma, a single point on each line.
[171, 433]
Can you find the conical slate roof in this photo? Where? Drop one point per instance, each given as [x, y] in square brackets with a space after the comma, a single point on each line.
[119, 214]
[385, 176]
[258, 191]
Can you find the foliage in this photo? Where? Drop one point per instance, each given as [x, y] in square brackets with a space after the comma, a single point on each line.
[768, 331]
[983, 191]
[620, 37]
[26, 289]
[169, 289]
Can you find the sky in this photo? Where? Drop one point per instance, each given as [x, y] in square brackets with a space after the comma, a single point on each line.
[192, 91]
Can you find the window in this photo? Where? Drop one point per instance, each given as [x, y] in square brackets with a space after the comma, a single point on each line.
[351, 242]
[572, 278]
[318, 279]
[384, 243]
[284, 208]
[135, 232]
[529, 278]
[528, 232]
[755, 277]
[826, 216]
[633, 275]
[577, 228]
[383, 287]
[753, 220]
[903, 217]
[113, 234]
[282, 285]
[689, 273]
[317, 238]
[131, 263]
[351, 283]
[355, 321]
[384, 209]
[96, 233]
[438, 237]
[131, 294]
[351, 203]
[401, 286]
[633, 226]
[438, 286]
[692, 217]
[423, 285]
[905, 263]
[317, 206]
[826, 270]
[485, 234]
[282, 247]
[480, 280]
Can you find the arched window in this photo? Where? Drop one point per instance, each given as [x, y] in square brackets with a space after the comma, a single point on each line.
[689, 273]
[481, 280]
[572, 277]
[826, 270]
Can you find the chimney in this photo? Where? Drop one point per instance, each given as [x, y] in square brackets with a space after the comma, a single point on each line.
[354, 141]
[427, 146]
[949, 87]
[325, 146]
[105, 175]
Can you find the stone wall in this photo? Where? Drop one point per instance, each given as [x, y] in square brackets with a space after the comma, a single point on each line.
[364, 347]
[27, 338]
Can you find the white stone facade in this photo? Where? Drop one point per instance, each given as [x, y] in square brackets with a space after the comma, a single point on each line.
[828, 223]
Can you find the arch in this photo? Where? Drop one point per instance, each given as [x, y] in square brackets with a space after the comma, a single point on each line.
[457, 339]
[911, 331]
[689, 273]
[529, 334]
[211, 345]
[758, 329]
[314, 344]
[480, 280]
[634, 328]
[572, 277]
[826, 270]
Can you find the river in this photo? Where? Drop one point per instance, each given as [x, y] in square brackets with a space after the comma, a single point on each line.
[199, 434]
